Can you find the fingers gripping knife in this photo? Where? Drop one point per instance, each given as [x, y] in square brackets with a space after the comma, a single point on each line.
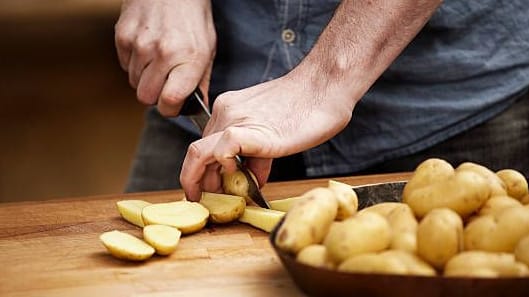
[195, 108]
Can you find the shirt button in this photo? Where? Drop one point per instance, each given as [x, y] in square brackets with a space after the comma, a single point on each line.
[288, 35]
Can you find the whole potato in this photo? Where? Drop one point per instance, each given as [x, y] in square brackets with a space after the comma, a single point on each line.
[414, 264]
[515, 183]
[383, 208]
[482, 263]
[429, 171]
[362, 233]
[373, 263]
[464, 192]
[315, 255]
[496, 204]
[498, 232]
[439, 236]
[404, 228]
[346, 197]
[308, 220]
[496, 185]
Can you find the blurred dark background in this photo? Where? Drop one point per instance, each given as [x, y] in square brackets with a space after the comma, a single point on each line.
[69, 120]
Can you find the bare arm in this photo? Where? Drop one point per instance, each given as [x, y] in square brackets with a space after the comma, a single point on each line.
[313, 102]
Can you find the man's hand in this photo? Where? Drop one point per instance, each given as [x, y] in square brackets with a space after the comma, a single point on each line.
[310, 104]
[167, 47]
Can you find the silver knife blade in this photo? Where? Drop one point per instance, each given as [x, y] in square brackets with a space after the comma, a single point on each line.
[371, 194]
[199, 114]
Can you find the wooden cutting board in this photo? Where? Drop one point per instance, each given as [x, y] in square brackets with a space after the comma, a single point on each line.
[51, 248]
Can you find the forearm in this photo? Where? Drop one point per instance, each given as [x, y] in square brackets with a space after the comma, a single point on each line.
[361, 41]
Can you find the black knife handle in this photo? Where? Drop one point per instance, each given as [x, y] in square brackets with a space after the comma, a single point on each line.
[191, 106]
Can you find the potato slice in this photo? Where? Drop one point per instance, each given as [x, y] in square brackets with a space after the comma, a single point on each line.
[284, 204]
[261, 218]
[164, 239]
[186, 216]
[130, 210]
[223, 208]
[125, 246]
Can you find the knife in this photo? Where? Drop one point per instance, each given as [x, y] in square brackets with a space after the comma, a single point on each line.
[197, 111]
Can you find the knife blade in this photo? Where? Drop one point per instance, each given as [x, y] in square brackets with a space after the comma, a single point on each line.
[371, 194]
[197, 111]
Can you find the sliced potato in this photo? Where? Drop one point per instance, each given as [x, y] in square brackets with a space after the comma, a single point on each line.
[284, 204]
[347, 199]
[125, 246]
[186, 216]
[130, 210]
[223, 208]
[261, 218]
[164, 239]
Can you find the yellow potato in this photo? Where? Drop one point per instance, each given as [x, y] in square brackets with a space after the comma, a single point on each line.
[186, 216]
[373, 263]
[223, 208]
[429, 171]
[383, 208]
[261, 218]
[308, 220]
[521, 251]
[525, 200]
[515, 183]
[362, 233]
[236, 184]
[414, 264]
[284, 204]
[164, 239]
[347, 199]
[484, 264]
[499, 232]
[496, 204]
[315, 255]
[495, 184]
[404, 228]
[464, 192]
[130, 210]
[125, 246]
[439, 236]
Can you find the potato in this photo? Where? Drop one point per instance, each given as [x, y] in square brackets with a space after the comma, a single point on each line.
[496, 204]
[383, 208]
[481, 263]
[515, 183]
[414, 264]
[373, 263]
[186, 216]
[315, 255]
[308, 220]
[347, 199]
[362, 233]
[130, 210]
[499, 232]
[439, 236]
[284, 204]
[261, 218]
[464, 192]
[495, 184]
[521, 251]
[125, 246]
[429, 171]
[235, 183]
[164, 239]
[403, 228]
[525, 200]
[223, 208]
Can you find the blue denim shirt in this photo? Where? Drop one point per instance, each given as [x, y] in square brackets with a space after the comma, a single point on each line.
[462, 69]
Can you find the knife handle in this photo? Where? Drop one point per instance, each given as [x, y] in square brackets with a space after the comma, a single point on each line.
[191, 106]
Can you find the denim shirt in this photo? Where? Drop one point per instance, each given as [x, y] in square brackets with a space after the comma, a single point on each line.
[462, 69]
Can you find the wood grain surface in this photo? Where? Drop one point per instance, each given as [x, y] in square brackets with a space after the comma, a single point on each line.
[51, 248]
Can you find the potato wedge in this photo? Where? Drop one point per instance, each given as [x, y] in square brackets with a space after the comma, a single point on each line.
[164, 239]
[347, 199]
[130, 210]
[223, 208]
[284, 204]
[125, 246]
[186, 216]
[261, 218]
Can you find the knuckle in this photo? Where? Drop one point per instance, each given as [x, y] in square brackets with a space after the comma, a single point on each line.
[142, 45]
[193, 151]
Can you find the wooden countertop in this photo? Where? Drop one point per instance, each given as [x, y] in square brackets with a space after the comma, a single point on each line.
[51, 248]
